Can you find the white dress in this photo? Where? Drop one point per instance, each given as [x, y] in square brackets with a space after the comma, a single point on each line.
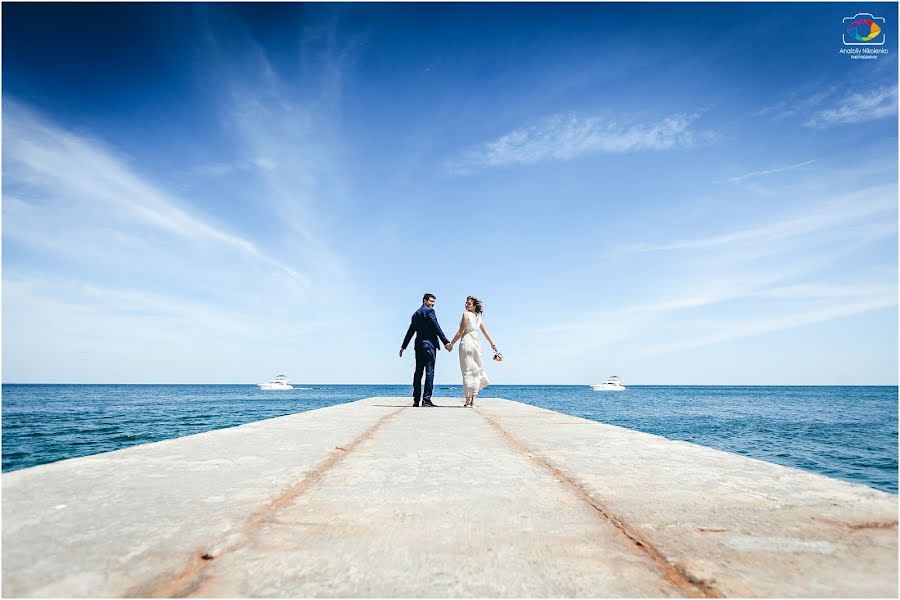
[470, 363]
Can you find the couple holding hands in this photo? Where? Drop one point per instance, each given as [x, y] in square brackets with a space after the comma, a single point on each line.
[425, 325]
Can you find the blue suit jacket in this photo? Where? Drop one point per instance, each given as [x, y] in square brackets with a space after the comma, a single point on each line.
[424, 324]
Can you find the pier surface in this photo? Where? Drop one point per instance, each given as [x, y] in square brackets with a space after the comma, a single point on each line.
[379, 499]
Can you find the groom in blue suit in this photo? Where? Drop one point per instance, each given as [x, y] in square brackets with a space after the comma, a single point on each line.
[424, 324]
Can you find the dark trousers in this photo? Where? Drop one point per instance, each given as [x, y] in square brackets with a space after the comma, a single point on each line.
[425, 358]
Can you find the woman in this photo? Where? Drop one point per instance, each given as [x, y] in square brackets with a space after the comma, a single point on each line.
[474, 377]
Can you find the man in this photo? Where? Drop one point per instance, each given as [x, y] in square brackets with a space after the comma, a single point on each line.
[424, 324]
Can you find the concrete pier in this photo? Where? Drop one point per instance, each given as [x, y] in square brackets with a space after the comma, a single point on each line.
[379, 499]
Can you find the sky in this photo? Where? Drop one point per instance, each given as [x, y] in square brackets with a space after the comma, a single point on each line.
[672, 193]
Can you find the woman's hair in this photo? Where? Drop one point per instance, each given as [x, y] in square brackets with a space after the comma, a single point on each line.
[479, 307]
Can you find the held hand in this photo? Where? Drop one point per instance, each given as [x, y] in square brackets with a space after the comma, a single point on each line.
[448, 346]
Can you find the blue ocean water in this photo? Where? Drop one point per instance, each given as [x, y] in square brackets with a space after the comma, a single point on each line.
[844, 432]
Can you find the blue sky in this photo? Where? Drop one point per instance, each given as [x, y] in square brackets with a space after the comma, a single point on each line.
[672, 193]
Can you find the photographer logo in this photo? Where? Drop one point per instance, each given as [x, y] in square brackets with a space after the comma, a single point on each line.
[863, 37]
[863, 29]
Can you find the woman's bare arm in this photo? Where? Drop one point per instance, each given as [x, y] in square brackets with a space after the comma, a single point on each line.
[490, 341]
[461, 331]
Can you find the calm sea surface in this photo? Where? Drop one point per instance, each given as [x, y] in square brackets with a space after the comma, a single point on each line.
[844, 432]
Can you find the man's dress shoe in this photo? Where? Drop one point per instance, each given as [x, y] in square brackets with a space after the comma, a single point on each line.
[427, 403]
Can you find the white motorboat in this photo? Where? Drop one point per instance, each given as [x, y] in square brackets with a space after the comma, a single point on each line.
[279, 383]
[613, 384]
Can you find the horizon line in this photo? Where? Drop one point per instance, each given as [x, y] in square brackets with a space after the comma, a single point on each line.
[492, 385]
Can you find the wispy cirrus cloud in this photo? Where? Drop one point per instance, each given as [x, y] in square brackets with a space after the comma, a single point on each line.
[764, 172]
[813, 290]
[745, 282]
[802, 316]
[260, 163]
[217, 271]
[121, 273]
[563, 137]
[834, 106]
[49, 171]
[857, 107]
[797, 104]
[284, 133]
[867, 207]
[88, 333]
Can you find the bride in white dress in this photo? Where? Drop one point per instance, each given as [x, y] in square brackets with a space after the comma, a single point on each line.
[470, 361]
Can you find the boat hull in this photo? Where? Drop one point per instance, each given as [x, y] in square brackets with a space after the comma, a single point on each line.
[608, 388]
[274, 386]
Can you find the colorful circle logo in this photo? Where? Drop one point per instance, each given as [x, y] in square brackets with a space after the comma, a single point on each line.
[854, 30]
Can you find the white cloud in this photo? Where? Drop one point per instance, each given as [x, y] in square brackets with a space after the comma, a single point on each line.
[864, 205]
[710, 289]
[49, 168]
[62, 330]
[797, 104]
[290, 142]
[260, 163]
[125, 280]
[834, 106]
[807, 291]
[752, 174]
[220, 276]
[857, 107]
[804, 316]
[563, 137]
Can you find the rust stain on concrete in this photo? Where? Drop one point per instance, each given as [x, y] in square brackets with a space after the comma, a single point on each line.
[688, 584]
[191, 578]
[874, 525]
[883, 524]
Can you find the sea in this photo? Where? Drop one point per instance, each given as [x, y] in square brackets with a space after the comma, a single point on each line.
[845, 432]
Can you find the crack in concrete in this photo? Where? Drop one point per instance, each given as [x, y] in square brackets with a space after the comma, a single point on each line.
[690, 585]
[192, 577]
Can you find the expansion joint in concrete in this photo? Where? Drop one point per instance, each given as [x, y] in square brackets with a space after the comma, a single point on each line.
[192, 577]
[688, 584]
